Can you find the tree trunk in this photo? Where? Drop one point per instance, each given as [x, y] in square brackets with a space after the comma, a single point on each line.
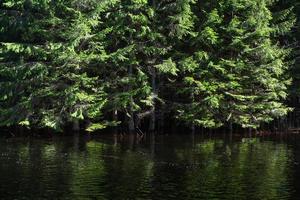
[76, 126]
[162, 119]
[192, 100]
[115, 118]
[152, 145]
[131, 123]
[131, 126]
[154, 93]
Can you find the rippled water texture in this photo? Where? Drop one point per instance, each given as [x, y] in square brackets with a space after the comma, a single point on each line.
[160, 167]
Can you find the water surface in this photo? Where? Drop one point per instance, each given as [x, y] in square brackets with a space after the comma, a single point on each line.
[153, 167]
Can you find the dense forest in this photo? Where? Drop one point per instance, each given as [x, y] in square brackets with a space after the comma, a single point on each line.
[148, 64]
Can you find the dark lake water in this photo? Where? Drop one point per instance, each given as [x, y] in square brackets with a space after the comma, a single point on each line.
[154, 167]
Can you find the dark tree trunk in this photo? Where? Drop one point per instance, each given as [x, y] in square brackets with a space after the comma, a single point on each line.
[76, 126]
[154, 92]
[115, 118]
[131, 125]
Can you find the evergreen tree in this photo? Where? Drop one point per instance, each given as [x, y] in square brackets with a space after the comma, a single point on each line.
[294, 41]
[44, 79]
[100, 63]
[238, 74]
[286, 32]
[134, 49]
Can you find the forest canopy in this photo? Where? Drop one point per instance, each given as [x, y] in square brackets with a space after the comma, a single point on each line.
[134, 63]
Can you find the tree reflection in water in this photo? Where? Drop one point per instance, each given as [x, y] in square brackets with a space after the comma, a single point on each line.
[153, 167]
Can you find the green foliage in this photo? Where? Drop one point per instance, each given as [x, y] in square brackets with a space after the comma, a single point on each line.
[241, 79]
[213, 62]
[45, 77]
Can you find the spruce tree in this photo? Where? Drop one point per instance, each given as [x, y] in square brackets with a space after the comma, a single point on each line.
[238, 73]
[134, 48]
[44, 68]
[101, 63]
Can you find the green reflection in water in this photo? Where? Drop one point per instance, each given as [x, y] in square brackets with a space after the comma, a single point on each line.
[247, 170]
[108, 172]
[164, 168]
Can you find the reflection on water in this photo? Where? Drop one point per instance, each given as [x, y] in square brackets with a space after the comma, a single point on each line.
[161, 167]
